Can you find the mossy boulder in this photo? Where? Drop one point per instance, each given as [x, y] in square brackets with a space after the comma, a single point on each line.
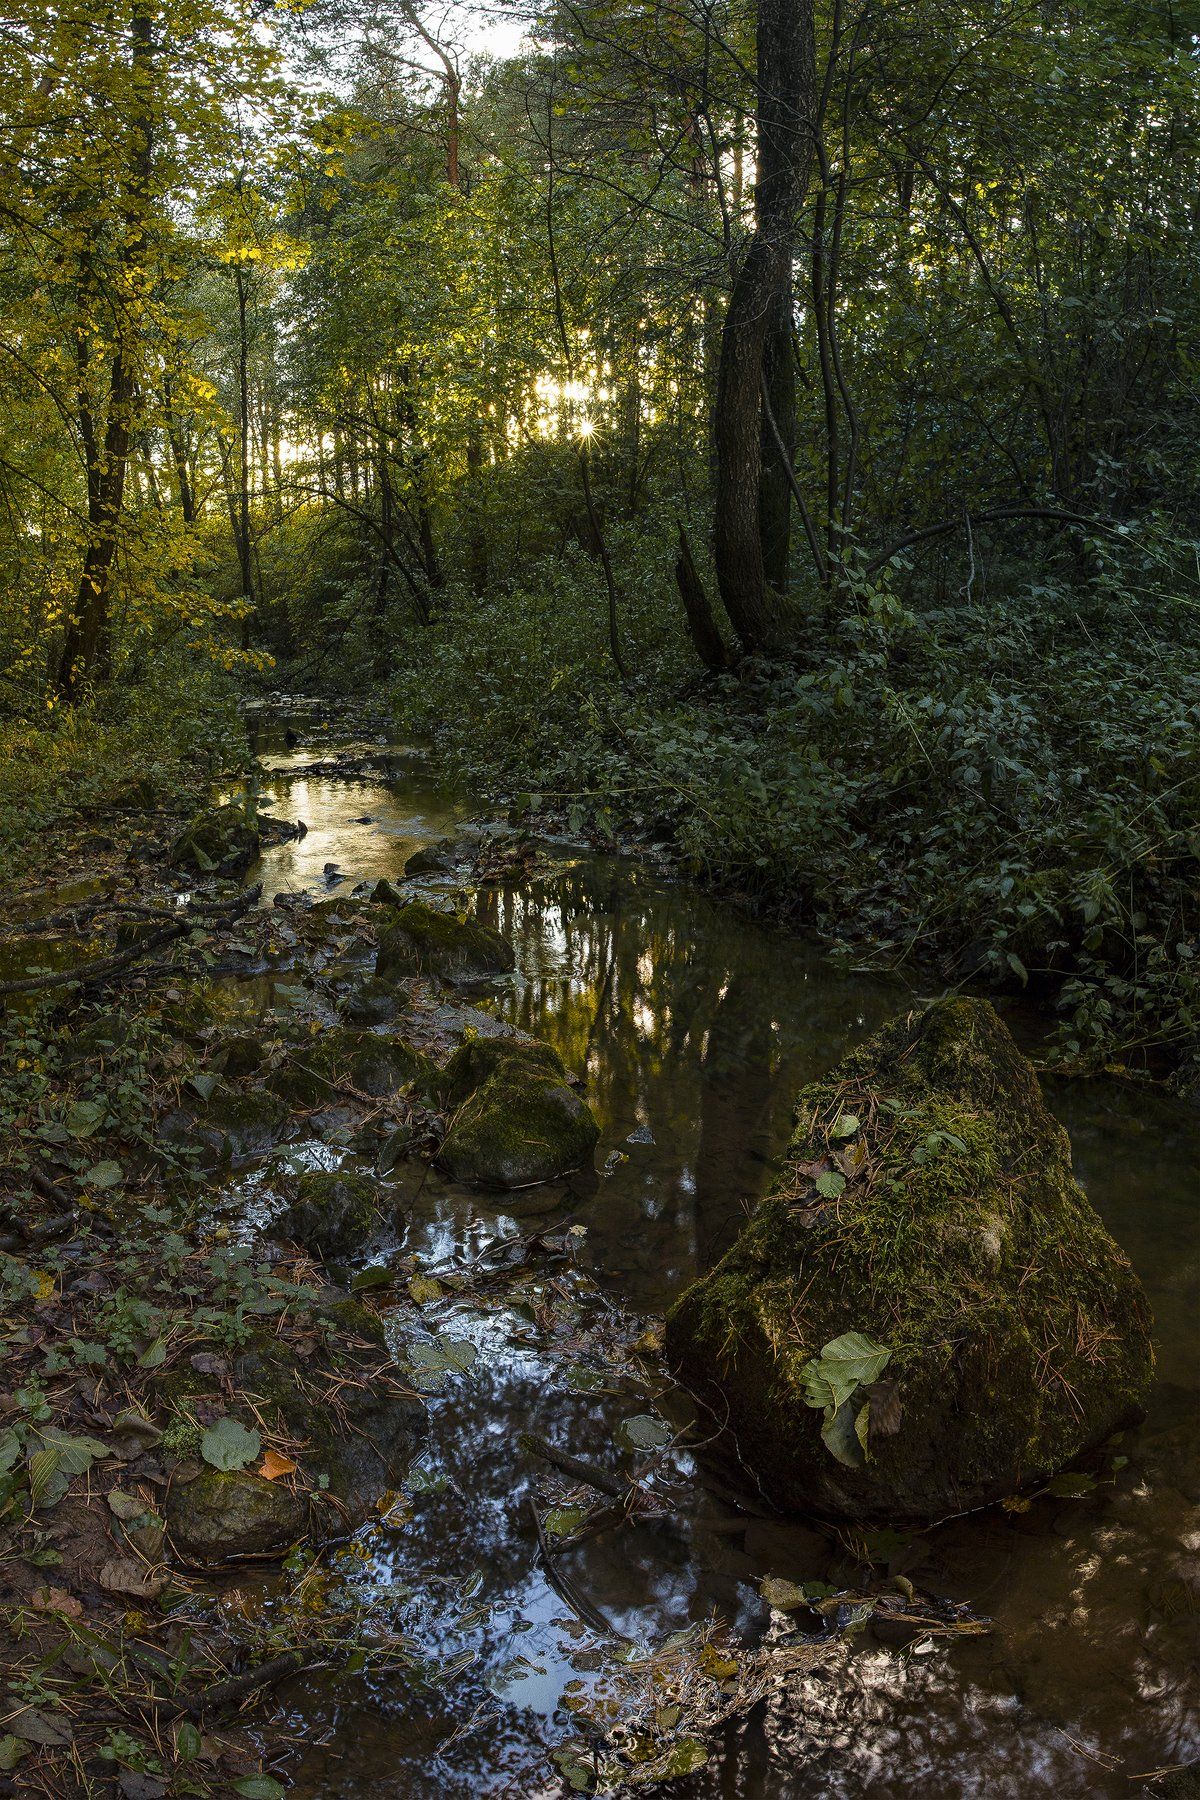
[926, 1314]
[333, 1213]
[517, 1121]
[345, 1058]
[420, 940]
[349, 1421]
[233, 1122]
[221, 1516]
[222, 840]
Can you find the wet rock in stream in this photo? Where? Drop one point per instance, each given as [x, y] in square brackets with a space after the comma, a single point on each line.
[334, 1212]
[343, 1058]
[925, 1314]
[419, 940]
[516, 1119]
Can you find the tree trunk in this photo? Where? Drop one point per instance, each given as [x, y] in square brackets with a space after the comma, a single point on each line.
[85, 651]
[787, 102]
[703, 630]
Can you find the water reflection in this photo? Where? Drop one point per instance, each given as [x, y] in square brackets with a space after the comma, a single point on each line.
[695, 1026]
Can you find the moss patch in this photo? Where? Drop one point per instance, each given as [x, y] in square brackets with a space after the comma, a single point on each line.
[334, 1212]
[927, 1203]
[419, 940]
[517, 1122]
[349, 1058]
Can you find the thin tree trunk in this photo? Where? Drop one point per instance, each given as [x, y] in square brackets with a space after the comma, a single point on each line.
[787, 101]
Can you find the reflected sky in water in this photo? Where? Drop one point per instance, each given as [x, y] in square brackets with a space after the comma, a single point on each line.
[694, 1026]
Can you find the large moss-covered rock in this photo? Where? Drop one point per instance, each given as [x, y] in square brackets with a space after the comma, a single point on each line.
[420, 940]
[221, 840]
[517, 1121]
[221, 1516]
[345, 1058]
[926, 1314]
[350, 1424]
[333, 1213]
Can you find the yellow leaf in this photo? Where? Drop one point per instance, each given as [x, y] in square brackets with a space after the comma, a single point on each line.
[43, 1285]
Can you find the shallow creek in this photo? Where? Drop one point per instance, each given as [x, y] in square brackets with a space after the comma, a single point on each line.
[695, 1025]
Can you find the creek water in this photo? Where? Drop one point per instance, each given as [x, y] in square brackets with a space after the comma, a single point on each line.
[694, 1025]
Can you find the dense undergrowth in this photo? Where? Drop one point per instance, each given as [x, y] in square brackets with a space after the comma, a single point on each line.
[1008, 790]
[132, 746]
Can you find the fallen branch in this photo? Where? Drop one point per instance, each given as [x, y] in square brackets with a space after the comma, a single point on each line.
[600, 1479]
[89, 975]
[562, 1584]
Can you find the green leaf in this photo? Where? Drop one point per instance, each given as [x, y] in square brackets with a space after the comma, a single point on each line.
[259, 1787]
[105, 1174]
[203, 1084]
[846, 1126]
[228, 1445]
[1071, 1487]
[188, 1742]
[845, 1364]
[375, 1275]
[783, 1595]
[84, 1117]
[12, 1749]
[841, 1437]
[831, 1185]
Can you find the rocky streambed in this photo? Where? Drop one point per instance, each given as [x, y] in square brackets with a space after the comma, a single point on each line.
[389, 1178]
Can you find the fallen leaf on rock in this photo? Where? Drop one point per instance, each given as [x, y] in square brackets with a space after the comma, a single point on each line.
[122, 1575]
[125, 1506]
[273, 1465]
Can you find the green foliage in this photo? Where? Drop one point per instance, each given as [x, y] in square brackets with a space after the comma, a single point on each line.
[1011, 787]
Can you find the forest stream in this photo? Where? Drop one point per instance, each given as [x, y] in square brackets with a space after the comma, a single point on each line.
[694, 1025]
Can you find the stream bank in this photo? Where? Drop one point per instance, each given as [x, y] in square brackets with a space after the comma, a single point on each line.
[695, 1027]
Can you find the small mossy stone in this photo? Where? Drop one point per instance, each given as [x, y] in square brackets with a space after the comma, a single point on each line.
[479, 1058]
[240, 1055]
[360, 1449]
[221, 1517]
[927, 1204]
[348, 1058]
[419, 940]
[221, 840]
[520, 1123]
[334, 1212]
[437, 858]
[372, 1002]
[384, 894]
[232, 1123]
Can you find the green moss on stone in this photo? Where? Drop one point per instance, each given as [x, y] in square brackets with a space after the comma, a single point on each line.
[348, 1058]
[1019, 1335]
[419, 940]
[334, 1212]
[222, 1516]
[517, 1122]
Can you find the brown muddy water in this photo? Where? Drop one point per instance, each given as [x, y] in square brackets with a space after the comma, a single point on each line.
[695, 1025]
